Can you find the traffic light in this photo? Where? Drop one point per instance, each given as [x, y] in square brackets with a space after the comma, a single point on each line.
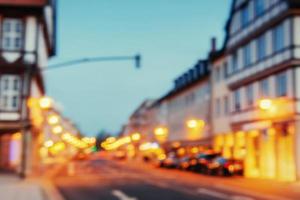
[138, 61]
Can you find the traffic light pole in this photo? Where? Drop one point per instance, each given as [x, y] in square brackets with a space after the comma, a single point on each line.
[136, 58]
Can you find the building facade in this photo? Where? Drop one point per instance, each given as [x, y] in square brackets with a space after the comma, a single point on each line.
[185, 110]
[142, 121]
[261, 52]
[27, 41]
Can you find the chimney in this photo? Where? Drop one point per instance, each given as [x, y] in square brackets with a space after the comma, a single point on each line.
[213, 44]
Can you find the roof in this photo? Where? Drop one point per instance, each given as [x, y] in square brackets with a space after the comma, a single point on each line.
[24, 2]
[188, 84]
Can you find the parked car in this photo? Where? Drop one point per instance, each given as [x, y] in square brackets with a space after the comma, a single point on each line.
[225, 167]
[203, 159]
[159, 160]
[170, 162]
[184, 163]
[81, 156]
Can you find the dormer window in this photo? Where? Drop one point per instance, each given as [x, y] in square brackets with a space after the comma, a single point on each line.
[12, 34]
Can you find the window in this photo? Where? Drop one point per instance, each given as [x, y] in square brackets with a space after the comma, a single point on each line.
[247, 55]
[237, 100]
[259, 6]
[217, 75]
[12, 34]
[249, 95]
[244, 16]
[261, 47]
[281, 85]
[234, 62]
[226, 105]
[225, 70]
[264, 88]
[10, 92]
[218, 107]
[278, 38]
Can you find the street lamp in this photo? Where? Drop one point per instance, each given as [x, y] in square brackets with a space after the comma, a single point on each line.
[45, 102]
[265, 104]
[195, 123]
[135, 136]
[53, 119]
[57, 129]
[161, 133]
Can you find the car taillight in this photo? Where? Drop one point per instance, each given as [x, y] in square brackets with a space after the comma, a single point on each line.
[203, 161]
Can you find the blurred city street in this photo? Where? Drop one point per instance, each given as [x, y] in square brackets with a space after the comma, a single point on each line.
[103, 178]
[150, 100]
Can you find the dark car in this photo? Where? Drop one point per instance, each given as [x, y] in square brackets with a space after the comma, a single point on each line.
[225, 167]
[184, 163]
[170, 162]
[203, 161]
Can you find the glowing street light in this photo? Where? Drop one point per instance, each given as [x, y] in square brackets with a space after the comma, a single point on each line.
[45, 102]
[57, 129]
[110, 139]
[161, 131]
[48, 143]
[53, 119]
[194, 123]
[265, 104]
[135, 136]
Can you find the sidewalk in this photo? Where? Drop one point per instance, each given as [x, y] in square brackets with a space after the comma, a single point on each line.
[14, 188]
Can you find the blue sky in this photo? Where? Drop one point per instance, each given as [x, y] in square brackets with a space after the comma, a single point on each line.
[171, 35]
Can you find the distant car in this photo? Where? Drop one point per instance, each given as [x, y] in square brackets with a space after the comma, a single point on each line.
[119, 155]
[203, 160]
[225, 167]
[184, 163]
[81, 156]
[170, 162]
[159, 160]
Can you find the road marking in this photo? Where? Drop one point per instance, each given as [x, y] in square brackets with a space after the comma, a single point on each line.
[122, 196]
[212, 193]
[241, 198]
